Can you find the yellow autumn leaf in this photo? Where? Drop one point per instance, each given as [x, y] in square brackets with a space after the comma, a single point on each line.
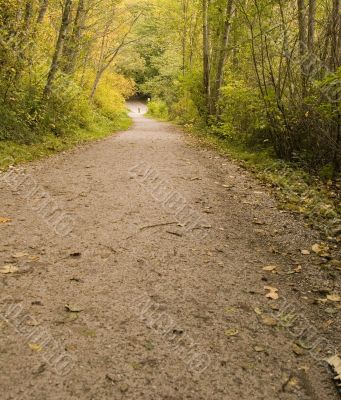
[35, 347]
[4, 220]
[334, 297]
[272, 292]
[8, 269]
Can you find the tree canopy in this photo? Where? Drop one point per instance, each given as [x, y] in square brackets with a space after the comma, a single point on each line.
[264, 73]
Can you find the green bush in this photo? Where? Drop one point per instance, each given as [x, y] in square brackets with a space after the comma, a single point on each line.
[158, 109]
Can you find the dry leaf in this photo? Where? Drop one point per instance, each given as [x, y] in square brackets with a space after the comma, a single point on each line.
[273, 292]
[70, 317]
[230, 310]
[297, 350]
[8, 269]
[320, 249]
[35, 347]
[20, 255]
[270, 268]
[259, 349]
[268, 321]
[305, 252]
[335, 363]
[5, 220]
[33, 258]
[124, 387]
[259, 222]
[231, 332]
[73, 308]
[334, 297]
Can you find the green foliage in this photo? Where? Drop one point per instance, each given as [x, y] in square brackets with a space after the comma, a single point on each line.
[14, 152]
[158, 109]
[243, 116]
[295, 189]
[37, 122]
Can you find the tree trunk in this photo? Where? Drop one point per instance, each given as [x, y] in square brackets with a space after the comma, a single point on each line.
[28, 15]
[71, 47]
[302, 27]
[311, 38]
[335, 56]
[311, 26]
[59, 47]
[206, 57]
[42, 10]
[229, 15]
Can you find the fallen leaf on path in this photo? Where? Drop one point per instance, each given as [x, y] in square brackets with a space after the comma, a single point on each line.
[230, 310]
[35, 347]
[268, 321]
[305, 252]
[320, 249]
[273, 292]
[32, 322]
[8, 269]
[40, 370]
[259, 349]
[70, 317]
[258, 311]
[334, 297]
[270, 268]
[231, 332]
[305, 344]
[124, 387]
[33, 258]
[71, 347]
[87, 332]
[20, 255]
[331, 311]
[5, 220]
[297, 350]
[73, 308]
[297, 270]
[335, 363]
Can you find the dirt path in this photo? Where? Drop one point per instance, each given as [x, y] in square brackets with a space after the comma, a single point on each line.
[156, 247]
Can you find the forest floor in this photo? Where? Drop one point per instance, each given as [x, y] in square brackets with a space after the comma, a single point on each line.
[146, 266]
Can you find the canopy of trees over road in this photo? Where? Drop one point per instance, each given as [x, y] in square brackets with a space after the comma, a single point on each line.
[263, 73]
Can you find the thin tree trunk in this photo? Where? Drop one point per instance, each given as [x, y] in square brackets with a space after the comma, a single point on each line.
[206, 57]
[184, 34]
[230, 12]
[311, 36]
[302, 26]
[42, 10]
[59, 47]
[96, 82]
[335, 58]
[311, 25]
[71, 47]
[28, 15]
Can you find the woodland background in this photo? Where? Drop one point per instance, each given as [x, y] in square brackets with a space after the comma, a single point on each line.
[261, 77]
